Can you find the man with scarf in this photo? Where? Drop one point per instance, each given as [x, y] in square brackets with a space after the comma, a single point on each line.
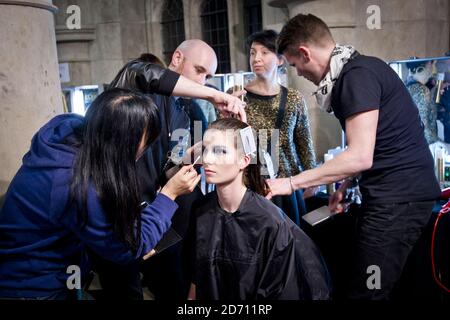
[386, 150]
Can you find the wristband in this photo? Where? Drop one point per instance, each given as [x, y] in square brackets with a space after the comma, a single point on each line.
[292, 184]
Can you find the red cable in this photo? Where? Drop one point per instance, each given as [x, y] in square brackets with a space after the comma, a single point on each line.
[445, 209]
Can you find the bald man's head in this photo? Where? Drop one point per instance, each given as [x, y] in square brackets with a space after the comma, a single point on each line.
[195, 60]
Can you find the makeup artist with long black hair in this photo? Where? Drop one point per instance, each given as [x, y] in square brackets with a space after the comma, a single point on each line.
[77, 190]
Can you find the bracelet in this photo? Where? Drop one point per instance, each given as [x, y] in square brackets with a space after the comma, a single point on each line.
[292, 184]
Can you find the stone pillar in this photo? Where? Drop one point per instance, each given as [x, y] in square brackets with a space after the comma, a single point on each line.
[30, 91]
[192, 20]
[153, 12]
[132, 29]
[236, 30]
[106, 51]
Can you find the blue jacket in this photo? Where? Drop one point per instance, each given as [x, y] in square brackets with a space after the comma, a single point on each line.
[40, 237]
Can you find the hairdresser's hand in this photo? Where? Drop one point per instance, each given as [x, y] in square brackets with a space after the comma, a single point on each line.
[335, 201]
[234, 91]
[310, 192]
[184, 181]
[281, 186]
[229, 105]
[239, 94]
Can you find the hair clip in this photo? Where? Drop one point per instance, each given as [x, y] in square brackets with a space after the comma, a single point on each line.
[248, 141]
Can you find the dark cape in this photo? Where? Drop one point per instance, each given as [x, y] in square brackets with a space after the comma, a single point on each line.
[255, 253]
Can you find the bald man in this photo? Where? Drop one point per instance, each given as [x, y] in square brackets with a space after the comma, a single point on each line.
[195, 60]
[192, 63]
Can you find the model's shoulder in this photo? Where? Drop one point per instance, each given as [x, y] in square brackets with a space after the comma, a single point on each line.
[267, 208]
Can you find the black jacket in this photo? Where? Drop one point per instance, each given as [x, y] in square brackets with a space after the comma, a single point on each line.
[255, 253]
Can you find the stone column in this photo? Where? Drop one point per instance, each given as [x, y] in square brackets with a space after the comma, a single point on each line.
[192, 20]
[153, 12]
[236, 30]
[30, 91]
[106, 51]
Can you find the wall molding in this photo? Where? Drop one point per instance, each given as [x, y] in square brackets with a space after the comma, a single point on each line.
[40, 4]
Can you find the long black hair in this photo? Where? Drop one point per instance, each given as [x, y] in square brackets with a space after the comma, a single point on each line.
[252, 173]
[114, 126]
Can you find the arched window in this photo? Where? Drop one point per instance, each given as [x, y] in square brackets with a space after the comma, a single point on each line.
[215, 31]
[252, 16]
[172, 23]
[252, 20]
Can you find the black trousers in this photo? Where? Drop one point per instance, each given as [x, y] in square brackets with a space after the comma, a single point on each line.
[119, 282]
[385, 236]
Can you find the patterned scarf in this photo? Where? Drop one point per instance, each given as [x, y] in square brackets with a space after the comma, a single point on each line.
[339, 57]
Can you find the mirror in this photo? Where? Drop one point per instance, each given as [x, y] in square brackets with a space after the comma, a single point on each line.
[428, 82]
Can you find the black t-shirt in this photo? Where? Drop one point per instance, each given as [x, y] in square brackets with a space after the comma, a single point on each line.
[403, 168]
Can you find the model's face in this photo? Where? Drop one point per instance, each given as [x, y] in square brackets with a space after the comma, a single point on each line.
[263, 62]
[198, 67]
[222, 160]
